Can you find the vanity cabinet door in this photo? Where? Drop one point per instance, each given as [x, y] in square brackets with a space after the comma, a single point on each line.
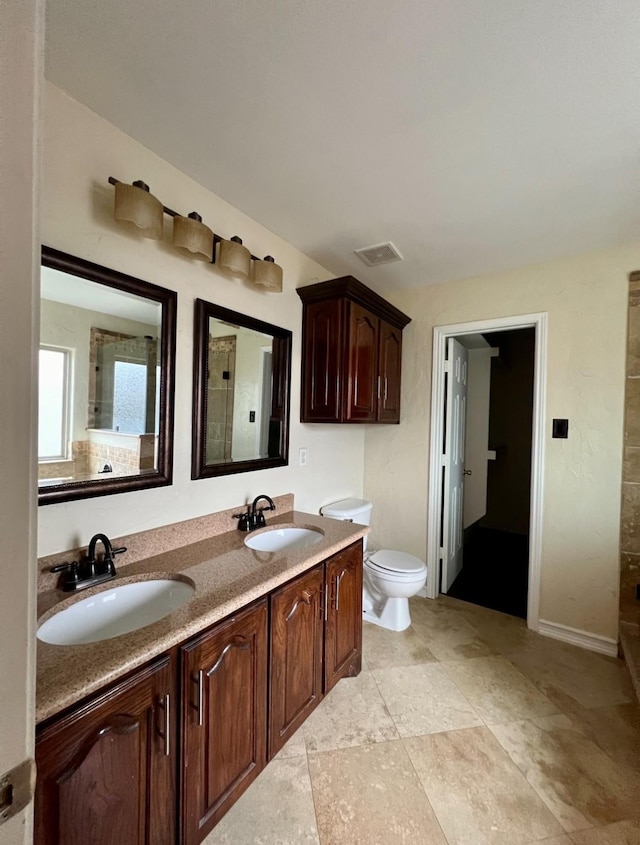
[224, 718]
[389, 367]
[343, 628]
[106, 771]
[297, 628]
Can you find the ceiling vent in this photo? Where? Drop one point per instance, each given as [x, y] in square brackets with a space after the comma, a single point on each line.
[378, 254]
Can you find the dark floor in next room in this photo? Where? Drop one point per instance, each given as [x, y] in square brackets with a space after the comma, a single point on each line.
[495, 572]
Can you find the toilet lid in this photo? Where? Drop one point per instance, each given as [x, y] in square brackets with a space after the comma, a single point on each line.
[397, 562]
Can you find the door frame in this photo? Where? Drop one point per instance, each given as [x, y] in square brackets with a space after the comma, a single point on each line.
[441, 334]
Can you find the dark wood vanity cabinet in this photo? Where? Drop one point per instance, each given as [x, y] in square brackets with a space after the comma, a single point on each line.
[224, 718]
[106, 772]
[297, 634]
[316, 639]
[343, 626]
[211, 713]
[351, 354]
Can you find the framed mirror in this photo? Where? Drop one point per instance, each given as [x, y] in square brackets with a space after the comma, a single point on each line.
[107, 363]
[242, 370]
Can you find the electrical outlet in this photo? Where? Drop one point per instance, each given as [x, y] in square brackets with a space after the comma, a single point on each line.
[303, 456]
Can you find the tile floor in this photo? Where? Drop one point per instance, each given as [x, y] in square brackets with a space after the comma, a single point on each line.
[467, 729]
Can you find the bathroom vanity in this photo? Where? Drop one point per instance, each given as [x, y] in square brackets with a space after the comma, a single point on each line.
[151, 737]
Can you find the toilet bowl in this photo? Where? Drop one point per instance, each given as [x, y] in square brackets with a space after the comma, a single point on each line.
[390, 577]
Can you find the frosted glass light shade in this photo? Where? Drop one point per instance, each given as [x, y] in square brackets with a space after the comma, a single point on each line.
[191, 237]
[268, 274]
[234, 258]
[138, 210]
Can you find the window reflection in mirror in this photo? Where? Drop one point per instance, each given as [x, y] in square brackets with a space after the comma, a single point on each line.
[241, 412]
[106, 375]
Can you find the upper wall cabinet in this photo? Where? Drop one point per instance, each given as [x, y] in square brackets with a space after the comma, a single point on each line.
[106, 375]
[351, 354]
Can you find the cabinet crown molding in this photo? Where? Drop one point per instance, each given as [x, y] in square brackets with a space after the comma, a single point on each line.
[350, 288]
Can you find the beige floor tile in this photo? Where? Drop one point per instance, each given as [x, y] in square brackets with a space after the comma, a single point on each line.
[579, 782]
[448, 635]
[620, 833]
[477, 793]
[295, 747]
[614, 729]
[277, 809]
[423, 699]
[501, 631]
[352, 714]
[382, 649]
[554, 840]
[498, 692]
[569, 675]
[371, 795]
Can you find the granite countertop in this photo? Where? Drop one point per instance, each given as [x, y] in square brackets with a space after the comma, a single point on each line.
[227, 576]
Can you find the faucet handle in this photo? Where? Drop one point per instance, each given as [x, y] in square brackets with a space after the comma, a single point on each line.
[244, 521]
[72, 577]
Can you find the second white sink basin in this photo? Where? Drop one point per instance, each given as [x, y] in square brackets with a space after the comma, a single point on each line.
[284, 539]
[119, 610]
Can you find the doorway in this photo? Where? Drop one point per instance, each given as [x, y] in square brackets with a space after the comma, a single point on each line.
[440, 536]
[497, 472]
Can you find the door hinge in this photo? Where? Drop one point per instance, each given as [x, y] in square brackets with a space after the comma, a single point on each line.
[16, 789]
[441, 553]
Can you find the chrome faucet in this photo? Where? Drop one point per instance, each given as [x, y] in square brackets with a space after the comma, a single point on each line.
[253, 517]
[90, 571]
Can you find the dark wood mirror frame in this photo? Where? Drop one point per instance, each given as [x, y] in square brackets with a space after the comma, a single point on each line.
[280, 396]
[162, 475]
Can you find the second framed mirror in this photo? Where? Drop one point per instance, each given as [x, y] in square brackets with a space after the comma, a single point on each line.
[242, 372]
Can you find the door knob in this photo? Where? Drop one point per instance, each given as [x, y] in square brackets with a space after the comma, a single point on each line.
[467, 472]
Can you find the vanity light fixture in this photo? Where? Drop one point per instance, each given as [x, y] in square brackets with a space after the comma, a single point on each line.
[267, 274]
[234, 258]
[192, 238]
[136, 207]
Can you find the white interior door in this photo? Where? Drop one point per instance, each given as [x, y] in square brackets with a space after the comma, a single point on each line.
[453, 462]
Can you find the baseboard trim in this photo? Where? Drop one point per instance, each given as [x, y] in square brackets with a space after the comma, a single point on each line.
[574, 636]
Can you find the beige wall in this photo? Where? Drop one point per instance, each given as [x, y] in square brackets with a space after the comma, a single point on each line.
[586, 300]
[21, 26]
[80, 152]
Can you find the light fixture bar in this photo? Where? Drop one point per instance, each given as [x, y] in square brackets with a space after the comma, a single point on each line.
[269, 277]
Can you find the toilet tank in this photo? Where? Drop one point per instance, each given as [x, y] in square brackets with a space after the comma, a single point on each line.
[351, 510]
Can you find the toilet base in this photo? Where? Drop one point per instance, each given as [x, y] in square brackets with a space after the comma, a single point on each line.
[391, 613]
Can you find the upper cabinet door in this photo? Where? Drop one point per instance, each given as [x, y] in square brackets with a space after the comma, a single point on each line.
[106, 771]
[363, 365]
[390, 367]
[322, 361]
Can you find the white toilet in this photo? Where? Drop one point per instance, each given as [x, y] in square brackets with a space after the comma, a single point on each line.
[390, 577]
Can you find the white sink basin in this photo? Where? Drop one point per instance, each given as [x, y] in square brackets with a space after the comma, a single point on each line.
[284, 539]
[119, 610]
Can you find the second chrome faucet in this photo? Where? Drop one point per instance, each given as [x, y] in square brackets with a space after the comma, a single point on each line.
[253, 517]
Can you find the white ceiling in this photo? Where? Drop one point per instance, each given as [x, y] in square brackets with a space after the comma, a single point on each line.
[477, 135]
